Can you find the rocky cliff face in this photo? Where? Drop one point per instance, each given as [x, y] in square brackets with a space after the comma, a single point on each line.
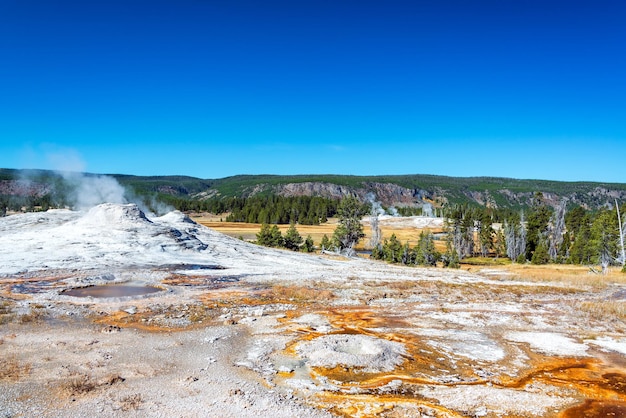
[328, 190]
[390, 194]
[24, 188]
[386, 193]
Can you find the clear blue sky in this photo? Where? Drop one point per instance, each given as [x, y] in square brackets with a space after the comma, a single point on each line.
[208, 88]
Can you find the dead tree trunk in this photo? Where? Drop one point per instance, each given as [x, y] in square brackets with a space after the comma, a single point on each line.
[376, 234]
[621, 235]
[555, 233]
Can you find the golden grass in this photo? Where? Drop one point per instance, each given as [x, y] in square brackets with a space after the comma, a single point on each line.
[131, 402]
[13, 369]
[574, 275]
[6, 312]
[605, 309]
[485, 261]
[79, 385]
[36, 315]
[299, 294]
[248, 231]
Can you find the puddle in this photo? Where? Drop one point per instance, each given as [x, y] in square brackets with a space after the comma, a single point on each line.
[111, 291]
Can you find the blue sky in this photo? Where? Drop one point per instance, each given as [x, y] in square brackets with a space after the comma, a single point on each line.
[522, 89]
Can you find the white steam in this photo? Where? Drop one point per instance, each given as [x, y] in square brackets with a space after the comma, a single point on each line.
[377, 208]
[91, 190]
[85, 190]
[151, 206]
[427, 210]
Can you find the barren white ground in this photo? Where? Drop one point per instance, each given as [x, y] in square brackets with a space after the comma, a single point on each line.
[254, 360]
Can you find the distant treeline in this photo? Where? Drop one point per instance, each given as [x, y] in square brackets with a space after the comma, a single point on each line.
[27, 203]
[304, 210]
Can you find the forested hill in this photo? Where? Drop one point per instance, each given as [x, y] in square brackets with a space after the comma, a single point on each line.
[403, 190]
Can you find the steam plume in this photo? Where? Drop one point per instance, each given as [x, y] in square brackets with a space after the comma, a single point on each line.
[85, 190]
[88, 191]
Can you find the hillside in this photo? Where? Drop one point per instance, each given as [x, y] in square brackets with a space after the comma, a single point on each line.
[401, 190]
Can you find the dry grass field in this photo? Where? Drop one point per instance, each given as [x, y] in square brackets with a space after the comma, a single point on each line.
[404, 231]
[248, 231]
[407, 231]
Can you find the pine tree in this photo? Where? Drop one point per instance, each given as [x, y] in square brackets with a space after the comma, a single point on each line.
[408, 255]
[537, 224]
[500, 247]
[350, 230]
[292, 239]
[264, 236]
[541, 254]
[325, 243]
[425, 252]
[485, 233]
[308, 246]
[269, 236]
[581, 251]
[377, 252]
[392, 250]
[451, 259]
[575, 219]
[604, 239]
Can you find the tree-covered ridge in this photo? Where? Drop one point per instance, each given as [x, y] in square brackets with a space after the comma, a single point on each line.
[237, 185]
[216, 195]
[441, 190]
[169, 185]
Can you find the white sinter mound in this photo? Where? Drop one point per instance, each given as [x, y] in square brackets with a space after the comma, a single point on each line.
[362, 352]
[113, 237]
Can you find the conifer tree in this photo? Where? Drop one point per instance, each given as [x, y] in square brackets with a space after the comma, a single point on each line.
[269, 236]
[264, 236]
[541, 254]
[292, 239]
[536, 224]
[392, 250]
[308, 246]
[325, 243]
[581, 251]
[485, 233]
[500, 247]
[349, 231]
[604, 239]
[425, 252]
[408, 255]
